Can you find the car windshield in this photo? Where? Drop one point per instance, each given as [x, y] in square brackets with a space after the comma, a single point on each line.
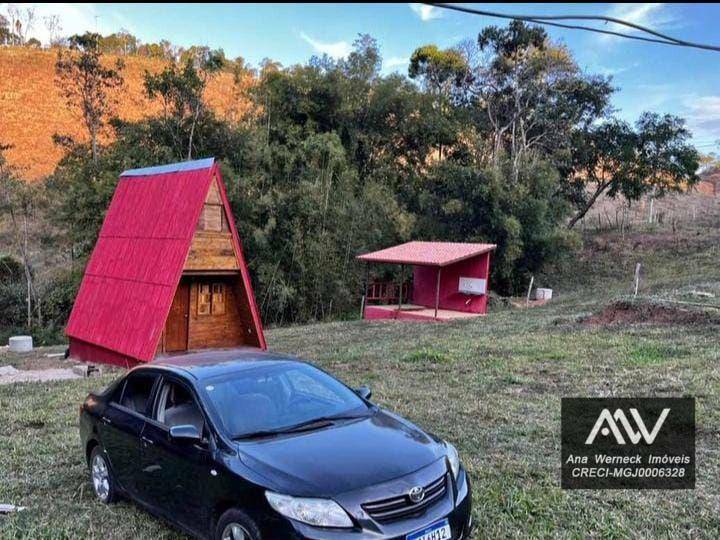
[278, 397]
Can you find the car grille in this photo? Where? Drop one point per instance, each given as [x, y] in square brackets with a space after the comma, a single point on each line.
[401, 507]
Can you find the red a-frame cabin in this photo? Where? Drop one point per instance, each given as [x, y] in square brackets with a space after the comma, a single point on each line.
[167, 273]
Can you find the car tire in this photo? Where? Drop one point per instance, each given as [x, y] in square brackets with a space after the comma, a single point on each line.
[235, 524]
[101, 477]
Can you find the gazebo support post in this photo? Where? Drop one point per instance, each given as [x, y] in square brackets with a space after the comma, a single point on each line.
[402, 277]
[367, 288]
[437, 291]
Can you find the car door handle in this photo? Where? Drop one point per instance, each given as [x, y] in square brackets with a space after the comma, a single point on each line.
[148, 442]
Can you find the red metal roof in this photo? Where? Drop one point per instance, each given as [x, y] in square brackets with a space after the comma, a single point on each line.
[427, 253]
[132, 274]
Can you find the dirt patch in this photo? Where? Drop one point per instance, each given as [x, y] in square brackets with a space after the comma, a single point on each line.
[38, 358]
[521, 303]
[641, 313]
[39, 362]
[10, 375]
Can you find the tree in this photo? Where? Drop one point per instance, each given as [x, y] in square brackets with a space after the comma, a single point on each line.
[709, 161]
[530, 94]
[163, 50]
[364, 61]
[441, 73]
[121, 43]
[22, 21]
[244, 78]
[614, 159]
[87, 84]
[79, 191]
[53, 27]
[439, 70]
[182, 92]
[7, 34]
[19, 201]
[304, 218]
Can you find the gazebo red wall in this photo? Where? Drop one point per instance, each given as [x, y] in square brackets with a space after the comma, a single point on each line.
[425, 281]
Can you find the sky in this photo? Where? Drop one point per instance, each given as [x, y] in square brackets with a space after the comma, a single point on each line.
[649, 77]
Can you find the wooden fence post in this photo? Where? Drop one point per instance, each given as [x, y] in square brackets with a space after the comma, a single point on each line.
[527, 300]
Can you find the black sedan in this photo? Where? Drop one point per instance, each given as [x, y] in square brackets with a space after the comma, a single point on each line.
[248, 445]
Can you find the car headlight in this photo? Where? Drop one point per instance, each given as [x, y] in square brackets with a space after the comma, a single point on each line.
[453, 458]
[317, 512]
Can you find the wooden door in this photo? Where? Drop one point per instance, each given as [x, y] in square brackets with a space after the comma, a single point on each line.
[176, 328]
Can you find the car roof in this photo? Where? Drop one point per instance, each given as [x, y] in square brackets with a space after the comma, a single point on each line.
[211, 363]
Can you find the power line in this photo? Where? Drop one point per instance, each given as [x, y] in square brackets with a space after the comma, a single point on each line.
[547, 20]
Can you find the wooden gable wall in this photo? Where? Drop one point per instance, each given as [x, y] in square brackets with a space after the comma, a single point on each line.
[211, 330]
[212, 266]
[212, 246]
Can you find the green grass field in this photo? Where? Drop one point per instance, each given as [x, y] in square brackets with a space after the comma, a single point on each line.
[491, 385]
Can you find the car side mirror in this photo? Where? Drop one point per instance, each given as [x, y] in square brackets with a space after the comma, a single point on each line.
[364, 391]
[185, 434]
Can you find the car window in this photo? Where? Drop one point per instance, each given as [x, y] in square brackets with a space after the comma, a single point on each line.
[138, 388]
[302, 383]
[117, 388]
[277, 396]
[176, 406]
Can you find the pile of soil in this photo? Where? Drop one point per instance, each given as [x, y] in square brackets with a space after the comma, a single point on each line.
[639, 313]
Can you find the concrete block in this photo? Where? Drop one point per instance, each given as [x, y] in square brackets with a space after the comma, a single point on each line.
[20, 344]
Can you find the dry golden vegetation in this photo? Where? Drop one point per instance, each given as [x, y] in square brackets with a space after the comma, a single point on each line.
[32, 109]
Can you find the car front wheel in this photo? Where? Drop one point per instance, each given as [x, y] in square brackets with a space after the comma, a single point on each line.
[101, 476]
[236, 525]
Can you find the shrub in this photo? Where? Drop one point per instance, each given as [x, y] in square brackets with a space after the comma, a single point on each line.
[426, 354]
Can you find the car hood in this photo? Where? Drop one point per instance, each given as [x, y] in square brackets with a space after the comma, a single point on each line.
[343, 457]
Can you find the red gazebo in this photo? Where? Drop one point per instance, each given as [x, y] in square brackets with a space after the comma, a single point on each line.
[449, 281]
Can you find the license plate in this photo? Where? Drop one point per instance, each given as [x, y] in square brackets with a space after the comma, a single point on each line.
[440, 530]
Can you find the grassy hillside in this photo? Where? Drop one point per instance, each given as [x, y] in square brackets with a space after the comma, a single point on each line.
[32, 109]
[491, 385]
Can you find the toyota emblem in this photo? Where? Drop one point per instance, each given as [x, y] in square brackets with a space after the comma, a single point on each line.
[416, 494]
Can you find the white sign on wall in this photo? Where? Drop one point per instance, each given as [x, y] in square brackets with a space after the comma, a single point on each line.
[468, 285]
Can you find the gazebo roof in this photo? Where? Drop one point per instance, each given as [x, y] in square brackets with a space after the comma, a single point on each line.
[427, 253]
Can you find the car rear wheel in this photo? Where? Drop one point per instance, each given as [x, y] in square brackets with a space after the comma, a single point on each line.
[101, 477]
[236, 525]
